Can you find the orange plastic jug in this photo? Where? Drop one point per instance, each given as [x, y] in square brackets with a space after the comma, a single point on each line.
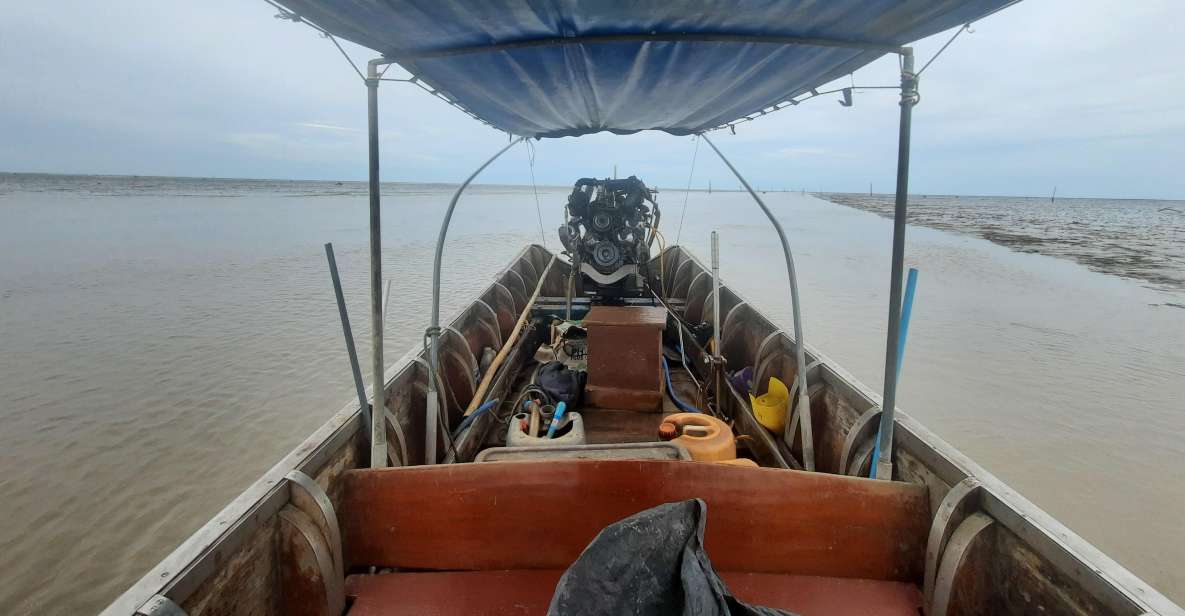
[706, 438]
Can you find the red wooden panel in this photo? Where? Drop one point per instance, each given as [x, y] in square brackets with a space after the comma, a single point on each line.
[498, 593]
[541, 515]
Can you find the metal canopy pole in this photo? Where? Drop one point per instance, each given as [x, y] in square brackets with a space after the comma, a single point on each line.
[909, 98]
[378, 432]
[804, 402]
[433, 333]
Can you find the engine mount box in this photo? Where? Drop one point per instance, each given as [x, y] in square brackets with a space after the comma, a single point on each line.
[625, 357]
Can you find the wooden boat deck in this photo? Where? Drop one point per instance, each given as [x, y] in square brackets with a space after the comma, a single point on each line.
[529, 591]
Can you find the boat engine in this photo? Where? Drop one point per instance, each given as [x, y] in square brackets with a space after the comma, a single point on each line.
[608, 234]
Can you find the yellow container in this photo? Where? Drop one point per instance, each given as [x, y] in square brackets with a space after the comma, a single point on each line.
[770, 408]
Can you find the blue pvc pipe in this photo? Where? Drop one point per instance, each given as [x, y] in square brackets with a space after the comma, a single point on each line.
[911, 285]
[560, 407]
[686, 408]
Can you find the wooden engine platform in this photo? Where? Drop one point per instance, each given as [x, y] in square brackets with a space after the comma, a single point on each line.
[625, 357]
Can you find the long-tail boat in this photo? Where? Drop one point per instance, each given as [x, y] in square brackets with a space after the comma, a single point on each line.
[585, 387]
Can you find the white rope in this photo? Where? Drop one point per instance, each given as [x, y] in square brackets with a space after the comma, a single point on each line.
[687, 193]
[538, 208]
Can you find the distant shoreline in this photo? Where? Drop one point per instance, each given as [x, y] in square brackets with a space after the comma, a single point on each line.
[363, 183]
[1129, 238]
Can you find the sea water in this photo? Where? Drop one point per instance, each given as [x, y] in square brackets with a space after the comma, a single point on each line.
[164, 341]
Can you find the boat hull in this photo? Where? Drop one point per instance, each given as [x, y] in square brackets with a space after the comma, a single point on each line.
[988, 549]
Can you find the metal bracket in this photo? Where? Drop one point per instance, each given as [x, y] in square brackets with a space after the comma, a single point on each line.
[160, 605]
[959, 503]
[306, 495]
[864, 428]
[621, 272]
[953, 559]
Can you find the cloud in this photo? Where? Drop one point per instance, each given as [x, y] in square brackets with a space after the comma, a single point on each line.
[222, 88]
[807, 152]
[316, 125]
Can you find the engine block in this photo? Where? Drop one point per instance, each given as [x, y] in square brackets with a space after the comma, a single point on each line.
[608, 233]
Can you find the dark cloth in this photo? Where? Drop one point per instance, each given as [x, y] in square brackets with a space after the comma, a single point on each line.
[561, 383]
[652, 562]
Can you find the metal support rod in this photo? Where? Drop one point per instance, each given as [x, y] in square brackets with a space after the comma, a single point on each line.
[433, 333]
[378, 431]
[716, 342]
[359, 387]
[909, 98]
[804, 403]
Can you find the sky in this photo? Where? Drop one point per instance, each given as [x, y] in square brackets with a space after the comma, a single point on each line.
[1084, 95]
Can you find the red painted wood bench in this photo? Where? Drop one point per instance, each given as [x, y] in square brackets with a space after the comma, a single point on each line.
[541, 515]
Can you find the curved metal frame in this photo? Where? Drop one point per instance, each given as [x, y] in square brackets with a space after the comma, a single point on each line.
[304, 528]
[804, 403]
[962, 541]
[434, 328]
[960, 502]
[306, 494]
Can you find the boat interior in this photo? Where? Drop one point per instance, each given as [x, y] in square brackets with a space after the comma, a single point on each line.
[491, 528]
[590, 385]
[494, 533]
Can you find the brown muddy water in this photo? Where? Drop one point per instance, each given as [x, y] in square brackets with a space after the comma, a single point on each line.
[165, 341]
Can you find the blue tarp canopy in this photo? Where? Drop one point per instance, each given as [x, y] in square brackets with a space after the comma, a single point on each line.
[553, 68]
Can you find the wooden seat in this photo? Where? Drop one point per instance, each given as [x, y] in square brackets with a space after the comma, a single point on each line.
[541, 515]
[527, 591]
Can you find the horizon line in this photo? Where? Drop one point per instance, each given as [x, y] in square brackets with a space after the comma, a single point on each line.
[676, 189]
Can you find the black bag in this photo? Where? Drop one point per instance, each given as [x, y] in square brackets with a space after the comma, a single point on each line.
[561, 383]
[652, 562]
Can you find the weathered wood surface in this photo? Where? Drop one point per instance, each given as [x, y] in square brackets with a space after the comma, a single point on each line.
[309, 584]
[529, 591]
[531, 515]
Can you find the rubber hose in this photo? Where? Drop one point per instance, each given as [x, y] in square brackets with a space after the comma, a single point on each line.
[687, 408]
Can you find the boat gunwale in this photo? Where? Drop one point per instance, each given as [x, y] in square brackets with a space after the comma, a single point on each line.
[1052, 540]
[194, 561]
